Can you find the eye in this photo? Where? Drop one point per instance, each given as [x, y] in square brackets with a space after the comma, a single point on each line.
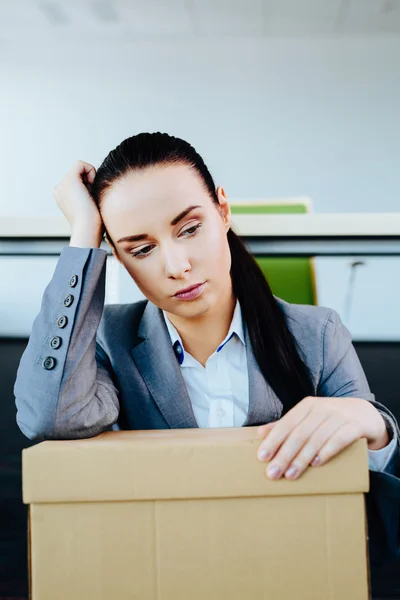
[191, 230]
[141, 253]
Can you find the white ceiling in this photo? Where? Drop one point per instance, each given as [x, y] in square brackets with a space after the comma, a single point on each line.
[134, 19]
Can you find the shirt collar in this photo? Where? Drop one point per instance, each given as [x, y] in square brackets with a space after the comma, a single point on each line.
[236, 327]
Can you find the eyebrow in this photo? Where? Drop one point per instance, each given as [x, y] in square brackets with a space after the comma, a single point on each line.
[143, 236]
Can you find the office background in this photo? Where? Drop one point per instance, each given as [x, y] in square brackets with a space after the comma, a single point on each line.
[282, 98]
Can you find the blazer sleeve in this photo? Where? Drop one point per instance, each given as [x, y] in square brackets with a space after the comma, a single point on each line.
[64, 387]
[342, 375]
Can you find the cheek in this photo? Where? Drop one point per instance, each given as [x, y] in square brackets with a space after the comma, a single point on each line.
[226, 259]
[144, 277]
[215, 251]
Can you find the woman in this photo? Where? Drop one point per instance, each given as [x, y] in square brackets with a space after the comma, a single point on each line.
[211, 345]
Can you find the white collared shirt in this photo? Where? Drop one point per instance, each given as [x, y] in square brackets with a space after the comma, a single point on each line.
[219, 392]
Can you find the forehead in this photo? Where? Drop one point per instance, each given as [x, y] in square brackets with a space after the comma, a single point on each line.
[160, 191]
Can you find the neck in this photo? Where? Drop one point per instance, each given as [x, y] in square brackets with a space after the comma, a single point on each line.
[202, 336]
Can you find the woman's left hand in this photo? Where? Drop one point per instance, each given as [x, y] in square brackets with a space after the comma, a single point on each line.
[317, 429]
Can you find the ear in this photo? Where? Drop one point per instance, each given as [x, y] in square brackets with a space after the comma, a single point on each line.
[224, 207]
[113, 250]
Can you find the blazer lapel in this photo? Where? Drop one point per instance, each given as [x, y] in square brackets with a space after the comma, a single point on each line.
[264, 404]
[159, 367]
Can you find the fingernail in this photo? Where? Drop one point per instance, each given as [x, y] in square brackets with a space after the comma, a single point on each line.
[263, 455]
[291, 472]
[316, 461]
[273, 471]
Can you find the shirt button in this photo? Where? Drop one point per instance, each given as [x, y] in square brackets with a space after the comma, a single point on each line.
[178, 348]
[73, 281]
[55, 342]
[49, 363]
[178, 352]
[68, 300]
[62, 321]
[221, 412]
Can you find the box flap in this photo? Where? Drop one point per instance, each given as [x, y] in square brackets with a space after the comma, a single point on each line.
[174, 464]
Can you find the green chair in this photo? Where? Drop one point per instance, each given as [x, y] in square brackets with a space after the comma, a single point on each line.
[292, 279]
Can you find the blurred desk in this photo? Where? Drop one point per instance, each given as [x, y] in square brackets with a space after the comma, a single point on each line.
[330, 234]
[321, 234]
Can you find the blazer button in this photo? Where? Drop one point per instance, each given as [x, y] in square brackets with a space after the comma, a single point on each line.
[73, 281]
[68, 300]
[49, 363]
[62, 321]
[55, 342]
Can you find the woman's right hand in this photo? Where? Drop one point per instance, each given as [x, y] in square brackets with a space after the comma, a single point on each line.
[73, 197]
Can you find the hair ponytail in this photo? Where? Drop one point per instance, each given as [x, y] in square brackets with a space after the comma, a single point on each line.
[273, 345]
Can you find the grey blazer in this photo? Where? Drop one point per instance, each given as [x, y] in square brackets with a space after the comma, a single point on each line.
[88, 366]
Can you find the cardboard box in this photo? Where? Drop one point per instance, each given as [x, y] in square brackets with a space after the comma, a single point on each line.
[190, 515]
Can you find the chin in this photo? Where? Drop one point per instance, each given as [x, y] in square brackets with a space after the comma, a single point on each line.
[193, 309]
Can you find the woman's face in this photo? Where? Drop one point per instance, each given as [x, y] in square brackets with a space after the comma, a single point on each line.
[177, 247]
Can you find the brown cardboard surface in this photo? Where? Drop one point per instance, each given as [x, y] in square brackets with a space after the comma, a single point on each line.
[167, 464]
[235, 534]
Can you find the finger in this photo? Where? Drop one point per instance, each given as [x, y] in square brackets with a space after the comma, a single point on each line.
[283, 427]
[90, 175]
[293, 444]
[313, 446]
[85, 169]
[341, 438]
[263, 430]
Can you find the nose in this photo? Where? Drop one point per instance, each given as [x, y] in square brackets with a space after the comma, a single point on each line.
[176, 261]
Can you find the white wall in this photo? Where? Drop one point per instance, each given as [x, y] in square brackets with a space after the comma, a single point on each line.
[319, 117]
[272, 118]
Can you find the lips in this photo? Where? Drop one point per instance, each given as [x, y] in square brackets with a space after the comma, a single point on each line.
[188, 289]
